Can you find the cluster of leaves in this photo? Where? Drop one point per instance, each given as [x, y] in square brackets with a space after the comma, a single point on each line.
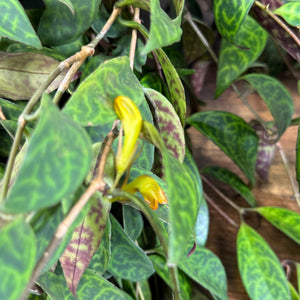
[66, 222]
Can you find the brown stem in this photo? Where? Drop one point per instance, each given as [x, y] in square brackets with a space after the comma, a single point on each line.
[136, 18]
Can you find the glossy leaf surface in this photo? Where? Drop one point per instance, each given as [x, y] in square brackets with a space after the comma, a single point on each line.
[15, 25]
[183, 204]
[229, 16]
[260, 269]
[233, 61]
[277, 98]
[285, 220]
[290, 12]
[54, 166]
[232, 134]
[233, 180]
[206, 269]
[58, 25]
[128, 261]
[168, 122]
[202, 224]
[17, 258]
[85, 242]
[92, 103]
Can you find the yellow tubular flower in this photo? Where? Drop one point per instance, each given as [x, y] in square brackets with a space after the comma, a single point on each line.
[149, 188]
[131, 119]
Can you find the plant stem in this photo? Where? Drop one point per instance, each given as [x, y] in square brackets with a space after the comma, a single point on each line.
[116, 11]
[175, 282]
[284, 26]
[136, 18]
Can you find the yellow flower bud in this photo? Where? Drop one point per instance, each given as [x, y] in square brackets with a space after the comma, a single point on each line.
[131, 119]
[149, 188]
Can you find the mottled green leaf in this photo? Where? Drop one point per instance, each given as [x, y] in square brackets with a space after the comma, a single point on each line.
[151, 134]
[58, 25]
[202, 224]
[260, 269]
[290, 12]
[92, 286]
[17, 258]
[54, 166]
[233, 61]
[206, 269]
[132, 221]
[168, 122]
[85, 242]
[183, 204]
[10, 109]
[52, 285]
[163, 30]
[233, 180]
[128, 261]
[69, 4]
[92, 103]
[21, 74]
[15, 25]
[153, 81]
[285, 220]
[69, 49]
[277, 98]
[160, 266]
[232, 134]
[229, 16]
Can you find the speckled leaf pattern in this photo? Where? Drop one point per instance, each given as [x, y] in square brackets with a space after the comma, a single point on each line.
[206, 269]
[15, 25]
[233, 180]
[233, 61]
[92, 103]
[280, 35]
[54, 166]
[260, 269]
[17, 258]
[229, 15]
[168, 122]
[232, 134]
[92, 286]
[52, 285]
[183, 204]
[175, 86]
[285, 220]
[290, 12]
[132, 221]
[128, 261]
[163, 30]
[58, 25]
[85, 242]
[29, 71]
[160, 266]
[277, 98]
[202, 224]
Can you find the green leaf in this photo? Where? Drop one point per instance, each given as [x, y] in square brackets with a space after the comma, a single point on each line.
[58, 25]
[54, 166]
[298, 158]
[92, 103]
[92, 286]
[17, 258]
[277, 98]
[298, 274]
[144, 4]
[260, 269]
[15, 25]
[68, 4]
[206, 269]
[183, 204]
[232, 134]
[29, 71]
[85, 242]
[290, 12]
[52, 285]
[285, 220]
[160, 266]
[11, 110]
[163, 30]
[168, 123]
[233, 180]
[230, 15]
[177, 94]
[294, 293]
[233, 61]
[202, 224]
[132, 221]
[128, 261]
